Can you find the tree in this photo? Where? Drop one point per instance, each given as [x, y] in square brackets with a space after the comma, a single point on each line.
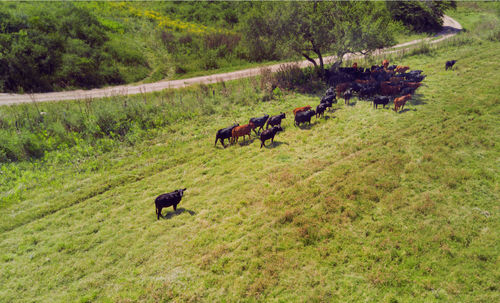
[316, 28]
[420, 16]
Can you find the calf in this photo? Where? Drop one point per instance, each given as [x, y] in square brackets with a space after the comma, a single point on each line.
[304, 117]
[384, 100]
[275, 120]
[449, 64]
[243, 130]
[269, 134]
[301, 109]
[401, 101]
[259, 122]
[168, 199]
[224, 133]
[347, 96]
[320, 109]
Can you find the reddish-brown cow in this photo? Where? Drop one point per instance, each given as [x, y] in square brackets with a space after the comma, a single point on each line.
[389, 90]
[401, 101]
[243, 130]
[401, 69]
[414, 85]
[301, 109]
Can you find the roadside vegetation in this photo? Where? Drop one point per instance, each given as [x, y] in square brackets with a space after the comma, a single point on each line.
[104, 43]
[364, 204]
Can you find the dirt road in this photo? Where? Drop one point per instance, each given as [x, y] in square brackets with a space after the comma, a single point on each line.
[450, 28]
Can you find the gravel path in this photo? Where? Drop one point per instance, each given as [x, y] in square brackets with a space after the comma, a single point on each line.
[450, 28]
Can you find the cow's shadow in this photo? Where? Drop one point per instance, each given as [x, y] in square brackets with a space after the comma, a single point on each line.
[246, 142]
[275, 144]
[418, 100]
[307, 126]
[406, 110]
[177, 212]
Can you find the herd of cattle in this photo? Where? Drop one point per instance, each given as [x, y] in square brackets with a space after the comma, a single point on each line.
[379, 84]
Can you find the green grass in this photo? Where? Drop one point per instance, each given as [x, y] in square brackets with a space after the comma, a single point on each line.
[365, 205]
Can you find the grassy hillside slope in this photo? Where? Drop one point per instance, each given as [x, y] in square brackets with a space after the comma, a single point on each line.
[367, 204]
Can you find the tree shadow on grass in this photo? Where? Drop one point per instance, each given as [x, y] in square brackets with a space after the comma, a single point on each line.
[177, 212]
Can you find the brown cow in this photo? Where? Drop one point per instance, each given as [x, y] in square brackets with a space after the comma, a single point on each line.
[401, 69]
[414, 85]
[401, 101]
[243, 130]
[355, 65]
[301, 109]
[340, 88]
[389, 90]
[385, 63]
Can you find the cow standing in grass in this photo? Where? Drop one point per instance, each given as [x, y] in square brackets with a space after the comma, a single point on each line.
[243, 130]
[275, 120]
[224, 133]
[168, 199]
[400, 102]
[259, 123]
[269, 134]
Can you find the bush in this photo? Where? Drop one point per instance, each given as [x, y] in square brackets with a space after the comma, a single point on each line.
[420, 16]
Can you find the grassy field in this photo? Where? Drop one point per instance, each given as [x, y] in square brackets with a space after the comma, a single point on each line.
[364, 205]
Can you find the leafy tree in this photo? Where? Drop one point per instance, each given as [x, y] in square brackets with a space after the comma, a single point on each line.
[316, 28]
[420, 16]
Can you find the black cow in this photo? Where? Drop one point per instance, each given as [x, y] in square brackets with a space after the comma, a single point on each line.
[303, 117]
[168, 199]
[320, 109]
[330, 91]
[384, 100]
[407, 90]
[347, 95]
[269, 134]
[275, 120]
[224, 133]
[449, 64]
[259, 122]
[328, 98]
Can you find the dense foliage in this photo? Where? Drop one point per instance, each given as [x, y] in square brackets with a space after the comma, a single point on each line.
[420, 16]
[55, 46]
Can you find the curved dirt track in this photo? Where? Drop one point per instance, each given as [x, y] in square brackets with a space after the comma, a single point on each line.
[450, 28]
